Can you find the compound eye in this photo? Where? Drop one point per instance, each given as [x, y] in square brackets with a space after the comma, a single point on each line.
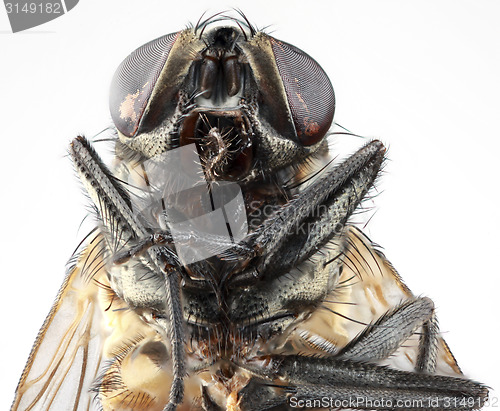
[134, 82]
[308, 90]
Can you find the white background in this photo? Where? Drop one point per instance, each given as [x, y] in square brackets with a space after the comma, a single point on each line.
[423, 76]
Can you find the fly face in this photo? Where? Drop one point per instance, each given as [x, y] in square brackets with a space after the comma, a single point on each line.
[224, 273]
[240, 95]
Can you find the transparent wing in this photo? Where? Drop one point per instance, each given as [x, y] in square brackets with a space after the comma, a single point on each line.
[368, 287]
[66, 356]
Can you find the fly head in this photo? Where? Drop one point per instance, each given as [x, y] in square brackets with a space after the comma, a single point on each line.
[252, 104]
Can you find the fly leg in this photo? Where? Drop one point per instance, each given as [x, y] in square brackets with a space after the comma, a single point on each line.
[381, 339]
[317, 215]
[166, 243]
[121, 227]
[349, 384]
[428, 346]
[142, 246]
[188, 239]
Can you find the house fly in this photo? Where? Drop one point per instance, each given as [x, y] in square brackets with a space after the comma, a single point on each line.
[224, 272]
